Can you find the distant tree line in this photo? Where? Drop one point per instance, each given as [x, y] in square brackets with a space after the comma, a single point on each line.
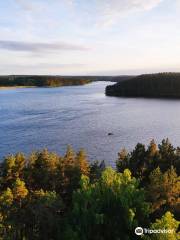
[41, 81]
[160, 85]
[45, 196]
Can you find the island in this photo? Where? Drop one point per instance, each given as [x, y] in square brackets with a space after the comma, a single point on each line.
[159, 85]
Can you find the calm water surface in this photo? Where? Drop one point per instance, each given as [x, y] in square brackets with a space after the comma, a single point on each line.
[34, 118]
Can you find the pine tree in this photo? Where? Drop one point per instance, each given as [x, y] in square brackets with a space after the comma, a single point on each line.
[19, 190]
[163, 189]
[123, 160]
[82, 162]
[167, 155]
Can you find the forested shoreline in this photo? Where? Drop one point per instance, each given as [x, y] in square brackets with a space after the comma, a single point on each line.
[47, 196]
[160, 85]
[42, 81]
[54, 81]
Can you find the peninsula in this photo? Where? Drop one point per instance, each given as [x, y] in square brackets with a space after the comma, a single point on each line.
[159, 85]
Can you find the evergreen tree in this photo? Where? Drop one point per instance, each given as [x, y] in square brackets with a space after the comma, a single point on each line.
[82, 162]
[137, 161]
[44, 211]
[7, 173]
[19, 190]
[123, 160]
[6, 203]
[48, 197]
[152, 157]
[167, 155]
[96, 169]
[111, 207]
[164, 189]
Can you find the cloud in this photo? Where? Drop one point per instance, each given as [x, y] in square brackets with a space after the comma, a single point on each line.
[110, 11]
[52, 66]
[41, 68]
[129, 5]
[25, 5]
[37, 47]
[94, 12]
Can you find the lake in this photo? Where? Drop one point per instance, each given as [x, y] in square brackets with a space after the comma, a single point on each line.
[82, 116]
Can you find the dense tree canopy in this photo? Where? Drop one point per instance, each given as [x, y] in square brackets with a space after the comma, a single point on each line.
[159, 85]
[111, 207]
[45, 196]
[41, 81]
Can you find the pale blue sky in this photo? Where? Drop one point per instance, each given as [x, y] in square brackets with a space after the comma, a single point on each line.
[101, 37]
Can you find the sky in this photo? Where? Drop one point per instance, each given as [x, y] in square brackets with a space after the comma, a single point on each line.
[89, 37]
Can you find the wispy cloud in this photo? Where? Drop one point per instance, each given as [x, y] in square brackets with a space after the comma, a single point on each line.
[37, 47]
[41, 68]
[128, 5]
[112, 10]
[25, 5]
[52, 66]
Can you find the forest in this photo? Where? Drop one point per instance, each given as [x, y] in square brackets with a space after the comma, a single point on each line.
[160, 85]
[46, 196]
[41, 81]
[54, 81]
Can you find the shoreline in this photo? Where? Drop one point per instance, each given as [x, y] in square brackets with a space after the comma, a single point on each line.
[14, 87]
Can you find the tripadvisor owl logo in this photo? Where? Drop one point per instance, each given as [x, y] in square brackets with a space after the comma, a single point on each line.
[139, 231]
